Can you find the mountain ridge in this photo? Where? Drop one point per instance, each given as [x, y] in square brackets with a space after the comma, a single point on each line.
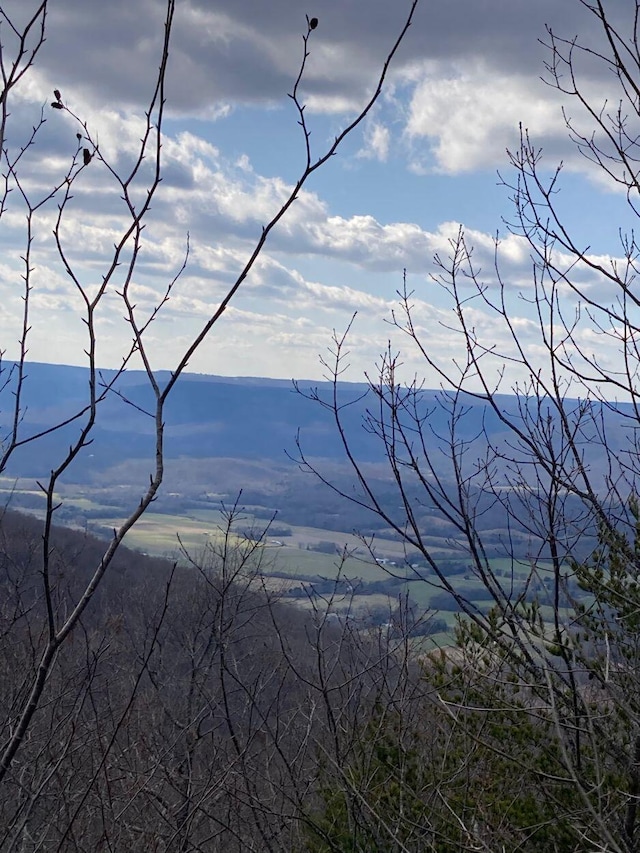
[232, 417]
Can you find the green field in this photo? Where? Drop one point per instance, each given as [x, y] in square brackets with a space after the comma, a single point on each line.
[199, 533]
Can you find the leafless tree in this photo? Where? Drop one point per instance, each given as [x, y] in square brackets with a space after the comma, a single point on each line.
[193, 710]
[550, 652]
[45, 614]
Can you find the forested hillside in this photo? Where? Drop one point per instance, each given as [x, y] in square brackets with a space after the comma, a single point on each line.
[193, 710]
[209, 417]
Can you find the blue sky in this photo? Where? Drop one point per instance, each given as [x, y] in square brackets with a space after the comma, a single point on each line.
[424, 163]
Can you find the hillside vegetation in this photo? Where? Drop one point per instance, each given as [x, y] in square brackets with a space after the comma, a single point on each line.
[197, 710]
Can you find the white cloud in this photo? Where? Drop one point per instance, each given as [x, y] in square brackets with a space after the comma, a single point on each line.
[471, 116]
[377, 139]
[331, 255]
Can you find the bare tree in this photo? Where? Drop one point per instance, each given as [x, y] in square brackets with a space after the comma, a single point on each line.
[45, 620]
[193, 710]
[544, 480]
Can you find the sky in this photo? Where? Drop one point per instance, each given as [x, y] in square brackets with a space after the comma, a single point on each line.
[430, 158]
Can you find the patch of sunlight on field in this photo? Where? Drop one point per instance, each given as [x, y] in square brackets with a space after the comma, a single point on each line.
[299, 561]
[82, 503]
[157, 534]
[359, 605]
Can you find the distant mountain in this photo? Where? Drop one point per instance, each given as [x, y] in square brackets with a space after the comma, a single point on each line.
[206, 416]
[213, 416]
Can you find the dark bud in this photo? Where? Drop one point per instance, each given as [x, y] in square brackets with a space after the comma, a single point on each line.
[78, 136]
[57, 95]
[313, 23]
[86, 155]
[57, 105]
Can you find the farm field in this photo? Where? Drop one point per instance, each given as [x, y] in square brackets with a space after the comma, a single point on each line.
[291, 559]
